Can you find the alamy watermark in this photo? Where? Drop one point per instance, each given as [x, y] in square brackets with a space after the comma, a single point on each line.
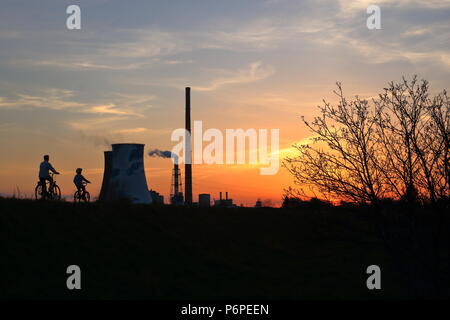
[74, 280]
[228, 148]
[73, 21]
[374, 280]
[374, 20]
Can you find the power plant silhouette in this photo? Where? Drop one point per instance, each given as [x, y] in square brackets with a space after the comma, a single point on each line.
[124, 174]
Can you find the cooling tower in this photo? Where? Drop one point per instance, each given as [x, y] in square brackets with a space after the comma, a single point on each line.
[127, 179]
[106, 175]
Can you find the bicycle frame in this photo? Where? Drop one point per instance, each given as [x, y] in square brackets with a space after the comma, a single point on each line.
[81, 194]
[50, 188]
[52, 183]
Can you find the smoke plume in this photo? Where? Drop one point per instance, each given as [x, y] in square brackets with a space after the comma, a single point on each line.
[163, 154]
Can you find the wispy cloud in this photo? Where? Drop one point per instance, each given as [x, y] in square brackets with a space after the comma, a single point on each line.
[254, 72]
[62, 99]
[111, 109]
[57, 99]
[131, 130]
[101, 123]
[347, 6]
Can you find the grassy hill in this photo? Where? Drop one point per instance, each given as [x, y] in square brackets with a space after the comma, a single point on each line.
[148, 252]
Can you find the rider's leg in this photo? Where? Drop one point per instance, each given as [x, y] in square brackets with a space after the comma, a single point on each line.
[44, 187]
[50, 180]
[83, 192]
[79, 192]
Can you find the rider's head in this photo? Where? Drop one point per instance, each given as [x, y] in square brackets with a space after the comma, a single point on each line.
[79, 170]
[46, 157]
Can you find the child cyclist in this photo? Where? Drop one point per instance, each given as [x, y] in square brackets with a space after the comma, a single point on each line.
[78, 181]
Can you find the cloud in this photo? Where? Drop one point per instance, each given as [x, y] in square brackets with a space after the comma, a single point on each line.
[412, 31]
[77, 65]
[111, 109]
[62, 99]
[252, 36]
[353, 5]
[254, 72]
[92, 124]
[132, 130]
[56, 99]
[114, 50]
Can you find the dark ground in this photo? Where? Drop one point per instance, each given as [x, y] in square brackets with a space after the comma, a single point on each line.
[147, 252]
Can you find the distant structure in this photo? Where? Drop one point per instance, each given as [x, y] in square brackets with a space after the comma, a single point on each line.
[124, 175]
[228, 203]
[188, 150]
[258, 204]
[204, 200]
[156, 197]
[176, 192]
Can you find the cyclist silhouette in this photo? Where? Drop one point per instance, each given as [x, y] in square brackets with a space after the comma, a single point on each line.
[44, 174]
[78, 181]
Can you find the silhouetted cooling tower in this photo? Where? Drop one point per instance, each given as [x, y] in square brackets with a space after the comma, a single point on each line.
[106, 175]
[127, 179]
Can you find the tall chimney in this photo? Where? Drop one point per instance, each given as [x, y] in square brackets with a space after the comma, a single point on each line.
[226, 195]
[188, 156]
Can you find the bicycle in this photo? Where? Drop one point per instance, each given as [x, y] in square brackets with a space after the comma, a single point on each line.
[53, 190]
[82, 196]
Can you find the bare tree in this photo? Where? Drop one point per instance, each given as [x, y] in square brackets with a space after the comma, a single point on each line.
[439, 140]
[414, 133]
[341, 162]
[397, 147]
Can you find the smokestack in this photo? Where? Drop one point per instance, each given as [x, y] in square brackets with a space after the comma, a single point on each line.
[220, 195]
[104, 191]
[226, 195]
[188, 156]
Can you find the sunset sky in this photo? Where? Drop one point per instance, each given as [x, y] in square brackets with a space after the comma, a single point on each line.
[251, 64]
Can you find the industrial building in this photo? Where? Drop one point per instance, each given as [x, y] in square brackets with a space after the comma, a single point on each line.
[227, 203]
[176, 191]
[204, 200]
[124, 174]
[156, 197]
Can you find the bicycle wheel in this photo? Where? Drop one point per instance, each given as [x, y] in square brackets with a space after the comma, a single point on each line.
[38, 192]
[56, 194]
[87, 196]
[76, 197]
